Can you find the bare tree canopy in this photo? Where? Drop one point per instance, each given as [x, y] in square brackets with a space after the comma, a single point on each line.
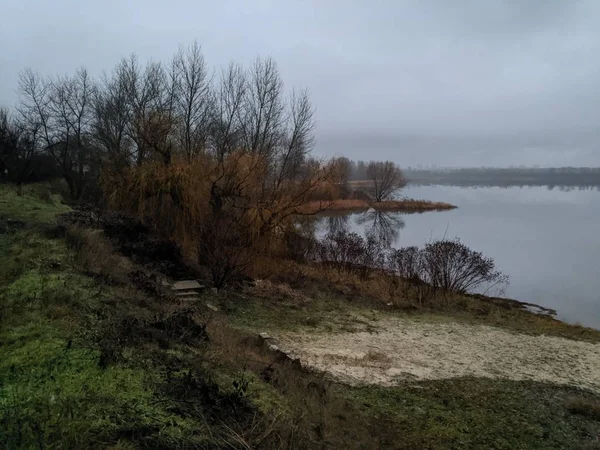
[264, 108]
[156, 112]
[193, 99]
[387, 179]
[60, 110]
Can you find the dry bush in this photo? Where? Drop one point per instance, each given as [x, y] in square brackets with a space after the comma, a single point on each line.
[95, 254]
[172, 198]
[297, 245]
[349, 252]
[452, 266]
[406, 262]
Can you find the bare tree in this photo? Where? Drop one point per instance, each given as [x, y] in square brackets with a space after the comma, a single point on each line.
[18, 144]
[112, 118]
[226, 123]
[193, 99]
[150, 97]
[263, 113]
[9, 143]
[71, 107]
[34, 106]
[299, 139]
[28, 133]
[58, 112]
[387, 179]
[342, 172]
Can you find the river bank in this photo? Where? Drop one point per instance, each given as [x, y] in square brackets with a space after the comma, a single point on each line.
[87, 323]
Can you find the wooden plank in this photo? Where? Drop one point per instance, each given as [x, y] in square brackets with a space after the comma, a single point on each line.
[186, 284]
[186, 294]
[189, 299]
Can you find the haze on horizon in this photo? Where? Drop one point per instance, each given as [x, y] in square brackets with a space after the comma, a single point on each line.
[462, 83]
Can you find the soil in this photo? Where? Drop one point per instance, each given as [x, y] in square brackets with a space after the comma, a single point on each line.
[404, 349]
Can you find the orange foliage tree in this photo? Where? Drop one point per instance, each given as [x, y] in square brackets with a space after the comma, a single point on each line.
[225, 212]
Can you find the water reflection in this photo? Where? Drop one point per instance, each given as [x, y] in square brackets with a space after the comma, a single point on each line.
[381, 226]
[337, 223]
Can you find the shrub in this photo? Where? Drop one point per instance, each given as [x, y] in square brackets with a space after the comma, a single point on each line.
[446, 265]
[351, 252]
[406, 263]
[452, 266]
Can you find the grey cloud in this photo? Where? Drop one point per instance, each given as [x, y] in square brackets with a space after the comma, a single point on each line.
[460, 82]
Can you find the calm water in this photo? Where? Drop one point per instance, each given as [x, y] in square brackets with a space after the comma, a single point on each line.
[547, 241]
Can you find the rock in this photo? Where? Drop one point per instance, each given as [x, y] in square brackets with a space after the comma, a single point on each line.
[273, 348]
[214, 290]
[212, 307]
[264, 335]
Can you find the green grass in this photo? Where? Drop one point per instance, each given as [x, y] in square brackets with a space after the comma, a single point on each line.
[35, 205]
[54, 393]
[321, 313]
[472, 413]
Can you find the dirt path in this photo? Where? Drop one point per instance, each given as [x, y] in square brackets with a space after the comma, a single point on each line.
[404, 349]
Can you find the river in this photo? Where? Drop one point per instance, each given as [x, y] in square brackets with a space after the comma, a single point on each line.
[547, 241]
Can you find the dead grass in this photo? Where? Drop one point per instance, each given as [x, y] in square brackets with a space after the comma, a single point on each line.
[275, 291]
[384, 292]
[410, 205]
[95, 255]
[316, 415]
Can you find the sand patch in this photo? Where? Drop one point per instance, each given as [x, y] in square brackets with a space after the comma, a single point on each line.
[404, 349]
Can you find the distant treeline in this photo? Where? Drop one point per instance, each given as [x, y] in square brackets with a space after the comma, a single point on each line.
[486, 176]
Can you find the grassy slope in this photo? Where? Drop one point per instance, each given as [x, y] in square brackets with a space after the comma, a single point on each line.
[55, 393]
[53, 390]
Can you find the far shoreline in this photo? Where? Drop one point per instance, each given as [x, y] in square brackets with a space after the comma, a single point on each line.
[358, 205]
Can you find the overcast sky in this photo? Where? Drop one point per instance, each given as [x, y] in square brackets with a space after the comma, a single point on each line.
[461, 82]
